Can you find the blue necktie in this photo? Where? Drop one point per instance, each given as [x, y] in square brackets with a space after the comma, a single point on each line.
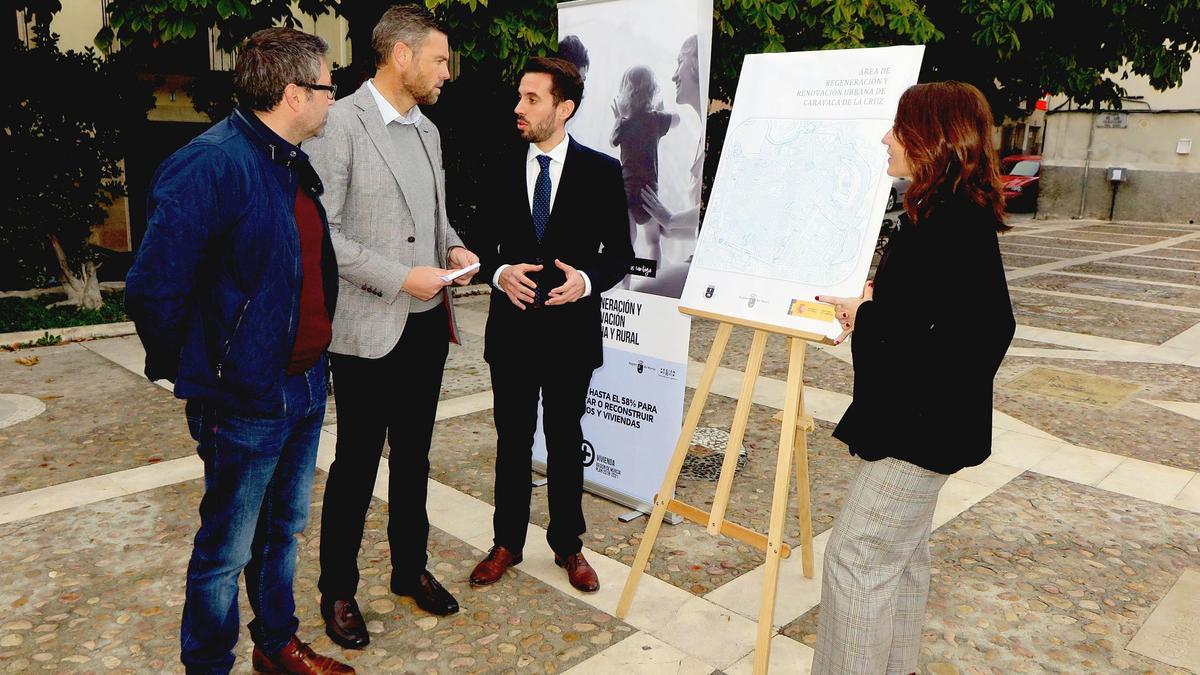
[541, 198]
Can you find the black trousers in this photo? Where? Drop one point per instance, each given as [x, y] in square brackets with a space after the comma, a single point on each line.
[564, 393]
[393, 397]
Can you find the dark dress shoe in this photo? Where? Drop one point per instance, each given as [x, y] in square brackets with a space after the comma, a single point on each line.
[344, 623]
[429, 594]
[490, 569]
[297, 657]
[580, 573]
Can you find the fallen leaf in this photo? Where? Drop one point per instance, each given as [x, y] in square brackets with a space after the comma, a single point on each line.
[28, 361]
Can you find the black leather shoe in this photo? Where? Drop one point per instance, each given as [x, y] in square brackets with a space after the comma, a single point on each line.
[429, 594]
[344, 623]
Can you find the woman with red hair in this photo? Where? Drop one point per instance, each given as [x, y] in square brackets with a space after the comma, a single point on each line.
[929, 333]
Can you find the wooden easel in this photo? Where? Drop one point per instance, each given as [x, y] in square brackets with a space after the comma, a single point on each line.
[792, 440]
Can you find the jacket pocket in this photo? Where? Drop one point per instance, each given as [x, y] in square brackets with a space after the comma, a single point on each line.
[232, 334]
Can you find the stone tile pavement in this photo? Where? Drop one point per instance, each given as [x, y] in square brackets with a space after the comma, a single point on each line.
[1071, 550]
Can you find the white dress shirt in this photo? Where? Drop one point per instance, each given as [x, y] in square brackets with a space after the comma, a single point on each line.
[389, 113]
[558, 157]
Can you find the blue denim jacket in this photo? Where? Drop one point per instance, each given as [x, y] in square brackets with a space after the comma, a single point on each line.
[215, 287]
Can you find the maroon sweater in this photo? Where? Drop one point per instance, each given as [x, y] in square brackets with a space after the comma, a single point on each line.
[314, 330]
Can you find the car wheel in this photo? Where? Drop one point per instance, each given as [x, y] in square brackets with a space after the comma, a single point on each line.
[891, 202]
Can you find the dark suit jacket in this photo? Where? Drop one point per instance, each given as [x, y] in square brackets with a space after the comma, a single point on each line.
[588, 229]
[927, 348]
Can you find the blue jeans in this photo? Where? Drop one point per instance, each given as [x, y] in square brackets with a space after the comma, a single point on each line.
[258, 475]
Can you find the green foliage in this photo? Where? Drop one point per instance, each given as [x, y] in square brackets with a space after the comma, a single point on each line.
[497, 39]
[158, 21]
[21, 314]
[47, 340]
[758, 26]
[65, 120]
[1016, 50]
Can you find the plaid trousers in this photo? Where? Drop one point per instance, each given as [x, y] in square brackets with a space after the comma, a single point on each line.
[876, 577]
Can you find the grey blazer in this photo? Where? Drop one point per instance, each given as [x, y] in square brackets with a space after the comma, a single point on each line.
[370, 224]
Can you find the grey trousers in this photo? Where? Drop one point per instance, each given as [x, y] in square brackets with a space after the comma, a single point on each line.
[876, 577]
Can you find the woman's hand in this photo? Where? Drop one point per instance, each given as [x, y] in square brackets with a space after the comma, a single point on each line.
[846, 309]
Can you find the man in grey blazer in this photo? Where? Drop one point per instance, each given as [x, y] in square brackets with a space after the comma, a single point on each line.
[381, 163]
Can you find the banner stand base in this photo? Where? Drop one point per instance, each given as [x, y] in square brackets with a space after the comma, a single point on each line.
[639, 508]
[670, 518]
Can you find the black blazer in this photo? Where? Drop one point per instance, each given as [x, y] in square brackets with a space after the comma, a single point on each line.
[588, 229]
[927, 347]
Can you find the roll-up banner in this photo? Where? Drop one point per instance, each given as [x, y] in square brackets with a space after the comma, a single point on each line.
[645, 65]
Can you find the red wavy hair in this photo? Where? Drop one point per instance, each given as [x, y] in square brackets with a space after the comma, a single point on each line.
[946, 131]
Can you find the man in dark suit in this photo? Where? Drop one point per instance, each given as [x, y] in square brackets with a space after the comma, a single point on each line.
[559, 238]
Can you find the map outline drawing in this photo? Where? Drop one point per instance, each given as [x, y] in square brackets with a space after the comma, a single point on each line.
[793, 199]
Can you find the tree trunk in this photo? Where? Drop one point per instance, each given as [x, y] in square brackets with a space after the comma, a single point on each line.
[83, 290]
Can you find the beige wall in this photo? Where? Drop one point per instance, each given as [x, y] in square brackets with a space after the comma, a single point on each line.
[1148, 142]
[1162, 186]
[77, 24]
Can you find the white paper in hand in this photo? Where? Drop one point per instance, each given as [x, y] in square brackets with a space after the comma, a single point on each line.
[458, 273]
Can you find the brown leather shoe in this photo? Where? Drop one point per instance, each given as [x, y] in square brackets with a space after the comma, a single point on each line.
[297, 657]
[490, 569]
[580, 573]
[344, 623]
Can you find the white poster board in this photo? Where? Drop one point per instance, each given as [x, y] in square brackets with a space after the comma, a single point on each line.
[635, 403]
[801, 188]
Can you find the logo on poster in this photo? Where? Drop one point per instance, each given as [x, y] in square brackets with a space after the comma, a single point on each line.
[640, 367]
[589, 453]
[752, 300]
[708, 292]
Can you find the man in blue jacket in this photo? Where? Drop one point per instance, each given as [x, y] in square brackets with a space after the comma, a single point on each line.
[232, 291]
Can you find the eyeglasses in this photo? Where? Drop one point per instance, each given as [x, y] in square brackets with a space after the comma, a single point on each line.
[330, 88]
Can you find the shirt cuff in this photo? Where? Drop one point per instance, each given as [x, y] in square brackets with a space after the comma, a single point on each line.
[496, 276]
[587, 284]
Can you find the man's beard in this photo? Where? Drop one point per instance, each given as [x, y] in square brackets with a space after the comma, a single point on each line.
[427, 97]
[536, 133]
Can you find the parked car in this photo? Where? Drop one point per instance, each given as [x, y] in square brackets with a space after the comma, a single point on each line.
[1020, 175]
[896, 196]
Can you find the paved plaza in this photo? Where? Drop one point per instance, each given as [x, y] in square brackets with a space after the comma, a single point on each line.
[1074, 549]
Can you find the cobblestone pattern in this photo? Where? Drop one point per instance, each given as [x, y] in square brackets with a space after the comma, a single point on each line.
[1047, 576]
[1131, 428]
[685, 555]
[1140, 273]
[1109, 238]
[82, 433]
[1157, 259]
[1157, 233]
[1066, 245]
[1181, 252]
[1028, 249]
[1108, 288]
[820, 369]
[1034, 344]
[1095, 317]
[100, 588]
[1017, 260]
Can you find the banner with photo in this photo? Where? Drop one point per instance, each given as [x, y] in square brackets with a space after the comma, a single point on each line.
[645, 65]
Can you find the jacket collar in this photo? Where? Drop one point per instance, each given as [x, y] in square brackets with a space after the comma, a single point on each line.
[278, 149]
